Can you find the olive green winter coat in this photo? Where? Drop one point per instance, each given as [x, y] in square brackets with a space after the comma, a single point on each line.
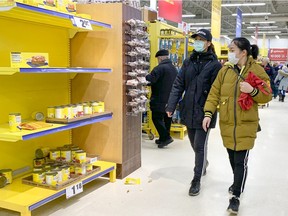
[238, 127]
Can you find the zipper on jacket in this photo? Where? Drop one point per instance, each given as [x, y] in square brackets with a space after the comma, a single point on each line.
[235, 117]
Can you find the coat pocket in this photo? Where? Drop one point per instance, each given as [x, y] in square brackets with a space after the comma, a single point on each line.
[223, 109]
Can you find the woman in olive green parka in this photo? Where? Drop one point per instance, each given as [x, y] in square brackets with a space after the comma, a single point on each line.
[238, 127]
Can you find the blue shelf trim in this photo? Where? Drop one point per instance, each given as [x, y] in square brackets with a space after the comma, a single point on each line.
[65, 70]
[63, 192]
[69, 126]
[57, 14]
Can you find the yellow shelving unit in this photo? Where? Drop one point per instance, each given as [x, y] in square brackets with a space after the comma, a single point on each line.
[25, 198]
[27, 28]
[154, 29]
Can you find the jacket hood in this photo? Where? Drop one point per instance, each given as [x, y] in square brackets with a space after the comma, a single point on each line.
[209, 55]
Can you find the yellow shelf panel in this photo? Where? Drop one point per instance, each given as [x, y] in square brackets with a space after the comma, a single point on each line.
[22, 198]
[6, 135]
[47, 17]
[11, 71]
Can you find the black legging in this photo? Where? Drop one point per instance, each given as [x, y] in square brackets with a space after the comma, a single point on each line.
[238, 162]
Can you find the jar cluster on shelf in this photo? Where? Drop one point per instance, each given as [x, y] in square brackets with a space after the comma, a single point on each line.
[137, 64]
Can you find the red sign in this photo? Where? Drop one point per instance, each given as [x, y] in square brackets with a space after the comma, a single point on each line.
[278, 54]
[170, 10]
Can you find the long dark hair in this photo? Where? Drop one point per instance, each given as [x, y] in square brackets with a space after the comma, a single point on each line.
[244, 44]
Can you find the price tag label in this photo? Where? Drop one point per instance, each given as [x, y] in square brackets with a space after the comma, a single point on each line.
[74, 190]
[81, 23]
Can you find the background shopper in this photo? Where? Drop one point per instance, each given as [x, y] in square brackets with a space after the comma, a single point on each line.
[161, 80]
[282, 79]
[238, 127]
[194, 80]
[271, 73]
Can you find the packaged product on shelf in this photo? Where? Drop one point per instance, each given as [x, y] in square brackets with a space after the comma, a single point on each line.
[80, 170]
[51, 112]
[59, 112]
[14, 122]
[6, 3]
[29, 60]
[55, 154]
[42, 152]
[67, 111]
[8, 174]
[73, 153]
[65, 172]
[72, 169]
[38, 176]
[89, 167]
[65, 154]
[66, 6]
[50, 5]
[39, 162]
[51, 178]
[58, 170]
[80, 156]
[37, 3]
[38, 116]
[3, 181]
[74, 111]
[80, 111]
[87, 109]
[98, 107]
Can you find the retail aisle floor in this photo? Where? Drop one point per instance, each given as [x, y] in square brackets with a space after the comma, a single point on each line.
[166, 174]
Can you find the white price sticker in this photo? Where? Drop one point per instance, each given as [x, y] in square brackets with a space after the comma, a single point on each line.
[81, 23]
[74, 190]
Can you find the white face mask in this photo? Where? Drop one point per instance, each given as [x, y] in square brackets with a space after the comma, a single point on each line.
[232, 58]
[199, 46]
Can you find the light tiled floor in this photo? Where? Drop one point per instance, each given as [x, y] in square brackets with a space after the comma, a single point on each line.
[166, 174]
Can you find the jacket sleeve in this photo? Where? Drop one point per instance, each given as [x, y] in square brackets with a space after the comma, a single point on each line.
[154, 75]
[214, 94]
[218, 66]
[177, 89]
[257, 95]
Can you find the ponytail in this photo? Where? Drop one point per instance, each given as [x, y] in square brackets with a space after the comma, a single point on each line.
[254, 51]
[212, 48]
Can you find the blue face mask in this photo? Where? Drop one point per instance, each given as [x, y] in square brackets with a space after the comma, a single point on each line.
[199, 45]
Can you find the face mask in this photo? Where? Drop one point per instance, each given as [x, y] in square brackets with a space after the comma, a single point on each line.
[199, 46]
[232, 58]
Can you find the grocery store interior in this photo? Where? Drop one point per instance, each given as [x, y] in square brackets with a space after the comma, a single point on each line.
[76, 129]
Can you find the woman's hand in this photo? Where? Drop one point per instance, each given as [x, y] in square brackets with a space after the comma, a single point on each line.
[245, 87]
[206, 123]
[169, 114]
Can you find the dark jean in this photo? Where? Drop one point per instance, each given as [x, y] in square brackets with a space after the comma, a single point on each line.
[199, 141]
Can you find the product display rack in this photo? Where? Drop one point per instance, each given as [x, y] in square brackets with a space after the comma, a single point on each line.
[25, 198]
[34, 89]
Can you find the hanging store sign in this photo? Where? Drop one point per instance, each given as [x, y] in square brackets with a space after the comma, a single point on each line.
[238, 22]
[278, 54]
[216, 25]
[170, 10]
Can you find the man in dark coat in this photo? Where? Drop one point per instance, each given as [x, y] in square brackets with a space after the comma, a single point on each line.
[195, 80]
[161, 80]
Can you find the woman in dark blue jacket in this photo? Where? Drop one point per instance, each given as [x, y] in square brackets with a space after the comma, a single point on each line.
[195, 80]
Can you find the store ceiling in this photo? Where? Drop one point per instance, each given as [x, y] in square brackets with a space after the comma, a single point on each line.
[277, 8]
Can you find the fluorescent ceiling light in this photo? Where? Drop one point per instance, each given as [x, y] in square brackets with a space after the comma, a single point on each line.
[188, 15]
[253, 37]
[261, 27]
[269, 32]
[193, 24]
[263, 22]
[276, 36]
[253, 14]
[243, 4]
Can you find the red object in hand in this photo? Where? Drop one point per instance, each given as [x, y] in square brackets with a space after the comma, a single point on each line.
[245, 100]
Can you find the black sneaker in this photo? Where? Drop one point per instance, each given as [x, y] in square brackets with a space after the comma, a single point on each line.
[165, 143]
[157, 141]
[233, 205]
[230, 189]
[194, 189]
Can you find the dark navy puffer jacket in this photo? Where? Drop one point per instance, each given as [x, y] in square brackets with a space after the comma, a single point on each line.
[194, 80]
